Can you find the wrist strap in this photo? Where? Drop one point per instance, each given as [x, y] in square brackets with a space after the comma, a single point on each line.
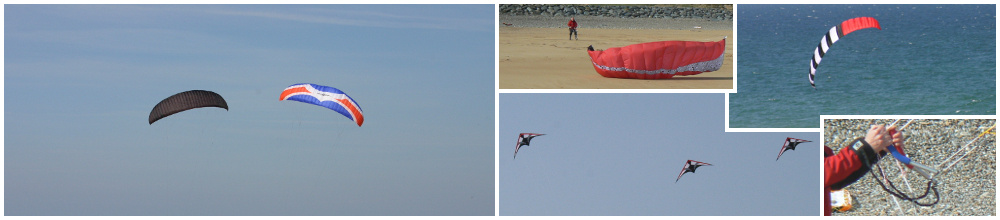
[863, 144]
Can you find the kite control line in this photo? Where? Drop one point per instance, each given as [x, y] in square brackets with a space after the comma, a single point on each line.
[922, 169]
[931, 185]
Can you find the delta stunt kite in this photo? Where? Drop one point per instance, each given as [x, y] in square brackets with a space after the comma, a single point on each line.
[524, 139]
[689, 167]
[790, 144]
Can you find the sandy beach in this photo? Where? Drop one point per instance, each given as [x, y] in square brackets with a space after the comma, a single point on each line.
[535, 55]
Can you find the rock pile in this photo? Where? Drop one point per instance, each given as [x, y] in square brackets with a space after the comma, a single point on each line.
[618, 11]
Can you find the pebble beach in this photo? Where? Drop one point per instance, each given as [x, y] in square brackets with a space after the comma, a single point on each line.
[966, 184]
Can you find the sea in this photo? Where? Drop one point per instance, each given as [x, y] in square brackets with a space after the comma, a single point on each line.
[926, 60]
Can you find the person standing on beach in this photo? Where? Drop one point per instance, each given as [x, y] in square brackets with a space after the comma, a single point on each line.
[854, 161]
[572, 28]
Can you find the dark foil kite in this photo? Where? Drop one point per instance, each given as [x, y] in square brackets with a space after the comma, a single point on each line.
[524, 139]
[790, 144]
[185, 101]
[689, 167]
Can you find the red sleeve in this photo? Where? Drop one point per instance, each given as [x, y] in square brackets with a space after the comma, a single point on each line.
[838, 167]
[572, 24]
[847, 166]
[826, 198]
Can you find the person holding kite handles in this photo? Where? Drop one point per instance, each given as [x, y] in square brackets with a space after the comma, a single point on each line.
[572, 28]
[855, 160]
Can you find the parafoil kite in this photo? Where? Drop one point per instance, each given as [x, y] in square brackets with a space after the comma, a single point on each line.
[186, 100]
[329, 97]
[524, 139]
[790, 144]
[835, 33]
[658, 60]
[689, 167]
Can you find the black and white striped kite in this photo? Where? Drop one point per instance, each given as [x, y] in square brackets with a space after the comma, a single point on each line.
[835, 34]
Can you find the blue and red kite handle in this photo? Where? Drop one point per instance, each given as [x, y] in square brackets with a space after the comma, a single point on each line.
[923, 170]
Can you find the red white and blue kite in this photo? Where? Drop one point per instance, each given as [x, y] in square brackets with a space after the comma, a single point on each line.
[790, 144]
[524, 139]
[329, 97]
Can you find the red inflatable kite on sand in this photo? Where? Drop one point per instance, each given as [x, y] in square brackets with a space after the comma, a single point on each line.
[658, 60]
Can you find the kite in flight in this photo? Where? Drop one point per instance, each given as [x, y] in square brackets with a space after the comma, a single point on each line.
[689, 167]
[790, 144]
[835, 34]
[524, 139]
[329, 97]
[658, 60]
[186, 101]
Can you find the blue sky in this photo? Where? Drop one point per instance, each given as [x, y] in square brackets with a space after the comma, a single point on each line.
[619, 154]
[80, 80]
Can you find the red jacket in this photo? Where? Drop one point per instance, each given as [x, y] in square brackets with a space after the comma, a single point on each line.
[572, 24]
[845, 168]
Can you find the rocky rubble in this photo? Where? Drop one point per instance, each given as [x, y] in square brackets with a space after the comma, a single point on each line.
[617, 11]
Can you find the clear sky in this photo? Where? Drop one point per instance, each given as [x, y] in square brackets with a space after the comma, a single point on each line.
[619, 154]
[80, 81]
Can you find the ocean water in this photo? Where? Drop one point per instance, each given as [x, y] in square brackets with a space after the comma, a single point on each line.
[926, 60]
